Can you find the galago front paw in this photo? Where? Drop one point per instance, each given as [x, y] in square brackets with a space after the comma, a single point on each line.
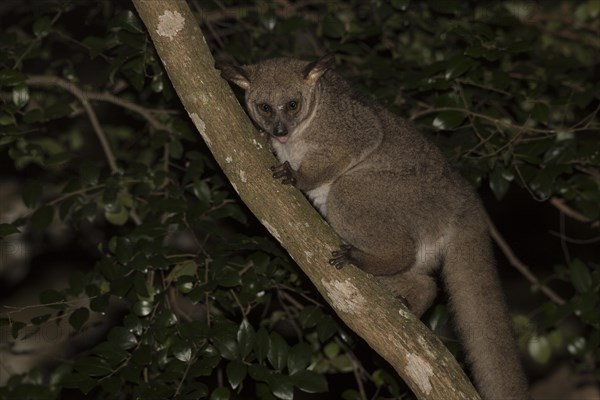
[284, 172]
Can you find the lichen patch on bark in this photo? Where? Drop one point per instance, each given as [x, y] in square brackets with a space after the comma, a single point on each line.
[201, 126]
[420, 371]
[344, 295]
[170, 23]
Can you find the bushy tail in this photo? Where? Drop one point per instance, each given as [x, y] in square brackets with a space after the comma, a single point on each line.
[482, 319]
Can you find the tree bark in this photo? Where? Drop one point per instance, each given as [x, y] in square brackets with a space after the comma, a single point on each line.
[412, 349]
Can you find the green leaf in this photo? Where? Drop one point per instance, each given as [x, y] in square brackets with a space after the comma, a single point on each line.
[16, 328]
[97, 45]
[157, 84]
[539, 349]
[140, 284]
[278, 351]
[580, 275]
[326, 328]
[175, 149]
[42, 26]
[89, 173]
[20, 95]
[261, 345]
[51, 296]
[182, 351]
[310, 316]
[10, 77]
[57, 110]
[342, 363]
[187, 268]
[111, 353]
[310, 382]
[236, 372]
[143, 355]
[92, 366]
[185, 284]
[133, 373]
[245, 338]
[281, 386]
[119, 217]
[439, 317]
[540, 112]
[351, 395]
[127, 20]
[332, 26]
[99, 304]
[58, 159]
[142, 308]
[57, 374]
[445, 6]
[113, 385]
[221, 393]
[562, 152]
[498, 183]
[79, 317]
[123, 249]
[202, 191]
[331, 350]
[299, 357]
[8, 229]
[32, 193]
[7, 119]
[448, 120]
[205, 366]
[577, 346]
[40, 319]
[458, 66]
[227, 346]
[542, 185]
[400, 4]
[78, 381]
[134, 324]
[480, 51]
[228, 277]
[259, 373]
[122, 338]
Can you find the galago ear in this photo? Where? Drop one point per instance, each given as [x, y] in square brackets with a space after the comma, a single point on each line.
[314, 70]
[235, 74]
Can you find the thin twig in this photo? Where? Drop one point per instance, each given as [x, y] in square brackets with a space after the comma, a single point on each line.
[38, 80]
[520, 266]
[569, 212]
[573, 240]
[563, 242]
[146, 114]
[496, 121]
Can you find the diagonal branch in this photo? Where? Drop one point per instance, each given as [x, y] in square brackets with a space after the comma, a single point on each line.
[413, 350]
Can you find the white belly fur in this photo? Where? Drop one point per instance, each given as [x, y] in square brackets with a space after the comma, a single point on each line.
[318, 197]
[290, 152]
[294, 154]
[430, 253]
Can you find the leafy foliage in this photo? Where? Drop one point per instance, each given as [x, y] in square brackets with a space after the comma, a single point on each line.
[210, 306]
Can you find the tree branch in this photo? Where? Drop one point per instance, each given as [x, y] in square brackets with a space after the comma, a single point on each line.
[520, 266]
[80, 95]
[414, 351]
[84, 97]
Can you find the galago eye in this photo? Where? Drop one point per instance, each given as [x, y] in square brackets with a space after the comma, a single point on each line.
[264, 107]
[292, 105]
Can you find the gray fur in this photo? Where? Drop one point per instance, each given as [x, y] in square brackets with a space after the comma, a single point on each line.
[393, 198]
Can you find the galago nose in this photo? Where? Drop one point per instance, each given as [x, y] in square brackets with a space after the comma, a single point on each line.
[280, 130]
